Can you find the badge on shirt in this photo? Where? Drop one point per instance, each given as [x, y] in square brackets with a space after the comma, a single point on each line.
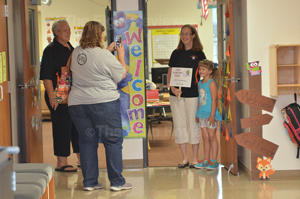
[194, 57]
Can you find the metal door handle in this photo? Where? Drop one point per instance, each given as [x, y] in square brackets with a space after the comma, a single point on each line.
[1, 93]
[21, 86]
[233, 80]
[31, 85]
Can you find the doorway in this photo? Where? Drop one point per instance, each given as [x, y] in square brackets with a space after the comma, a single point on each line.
[157, 16]
[163, 37]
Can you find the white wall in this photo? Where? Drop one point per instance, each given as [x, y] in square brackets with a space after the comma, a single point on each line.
[274, 22]
[78, 12]
[177, 12]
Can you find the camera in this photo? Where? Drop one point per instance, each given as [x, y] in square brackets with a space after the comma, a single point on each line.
[118, 41]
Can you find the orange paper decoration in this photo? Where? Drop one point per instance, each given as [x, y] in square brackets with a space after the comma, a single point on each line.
[228, 52]
[227, 135]
[228, 95]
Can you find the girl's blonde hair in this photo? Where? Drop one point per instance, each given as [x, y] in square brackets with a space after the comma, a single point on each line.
[92, 35]
[211, 66]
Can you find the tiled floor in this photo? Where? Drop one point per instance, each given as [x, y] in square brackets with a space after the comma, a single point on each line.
[174, 183]
[167, 182]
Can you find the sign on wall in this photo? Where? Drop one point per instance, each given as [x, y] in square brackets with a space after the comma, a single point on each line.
[77, 35]
[256, 121]
[257, 144]
[129, 24]
[256, 100]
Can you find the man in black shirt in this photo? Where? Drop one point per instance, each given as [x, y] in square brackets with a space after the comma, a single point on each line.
[55, 56]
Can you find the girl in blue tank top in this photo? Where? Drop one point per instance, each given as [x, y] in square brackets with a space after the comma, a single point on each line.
[207, 114]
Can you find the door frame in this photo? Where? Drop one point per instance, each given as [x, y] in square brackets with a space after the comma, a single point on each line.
[34, 138]
[228, 149]
[5, 123]
[18, 35]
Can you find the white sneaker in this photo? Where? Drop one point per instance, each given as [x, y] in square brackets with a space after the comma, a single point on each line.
[98, 186]
[124, 187]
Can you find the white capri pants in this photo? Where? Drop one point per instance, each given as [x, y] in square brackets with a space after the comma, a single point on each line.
[184, 113]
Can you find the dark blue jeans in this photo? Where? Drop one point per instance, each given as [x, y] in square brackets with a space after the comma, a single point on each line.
[96, 121]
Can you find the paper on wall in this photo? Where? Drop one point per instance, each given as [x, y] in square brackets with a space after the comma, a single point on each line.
[77, 35]
[1, 69]
[4, 66]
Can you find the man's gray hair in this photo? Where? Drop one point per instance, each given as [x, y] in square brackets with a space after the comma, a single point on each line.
[56, 24]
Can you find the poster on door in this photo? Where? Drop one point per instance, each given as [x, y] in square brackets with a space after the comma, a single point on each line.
[4, 69]
[129, 25]
[49, 22]
[1, 69]
[77, 35]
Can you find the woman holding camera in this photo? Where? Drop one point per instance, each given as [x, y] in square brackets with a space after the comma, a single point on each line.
[94, 106]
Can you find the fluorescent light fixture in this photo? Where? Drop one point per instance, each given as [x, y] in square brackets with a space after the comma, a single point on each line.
[47, 2]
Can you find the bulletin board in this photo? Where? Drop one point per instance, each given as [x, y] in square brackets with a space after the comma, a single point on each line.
[164, 42]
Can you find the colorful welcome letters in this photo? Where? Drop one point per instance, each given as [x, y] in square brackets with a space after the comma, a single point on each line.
[132, 91]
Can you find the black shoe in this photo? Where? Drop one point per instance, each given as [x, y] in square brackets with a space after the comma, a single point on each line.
[192, 166]
[181, 166]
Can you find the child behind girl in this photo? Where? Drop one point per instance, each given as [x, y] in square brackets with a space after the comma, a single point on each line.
[207, 114]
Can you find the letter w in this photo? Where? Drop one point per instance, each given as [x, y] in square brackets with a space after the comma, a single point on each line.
[133, 36]
[245, 96]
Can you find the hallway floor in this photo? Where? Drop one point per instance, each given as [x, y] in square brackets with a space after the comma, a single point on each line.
[174, 183]
[166, 182]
